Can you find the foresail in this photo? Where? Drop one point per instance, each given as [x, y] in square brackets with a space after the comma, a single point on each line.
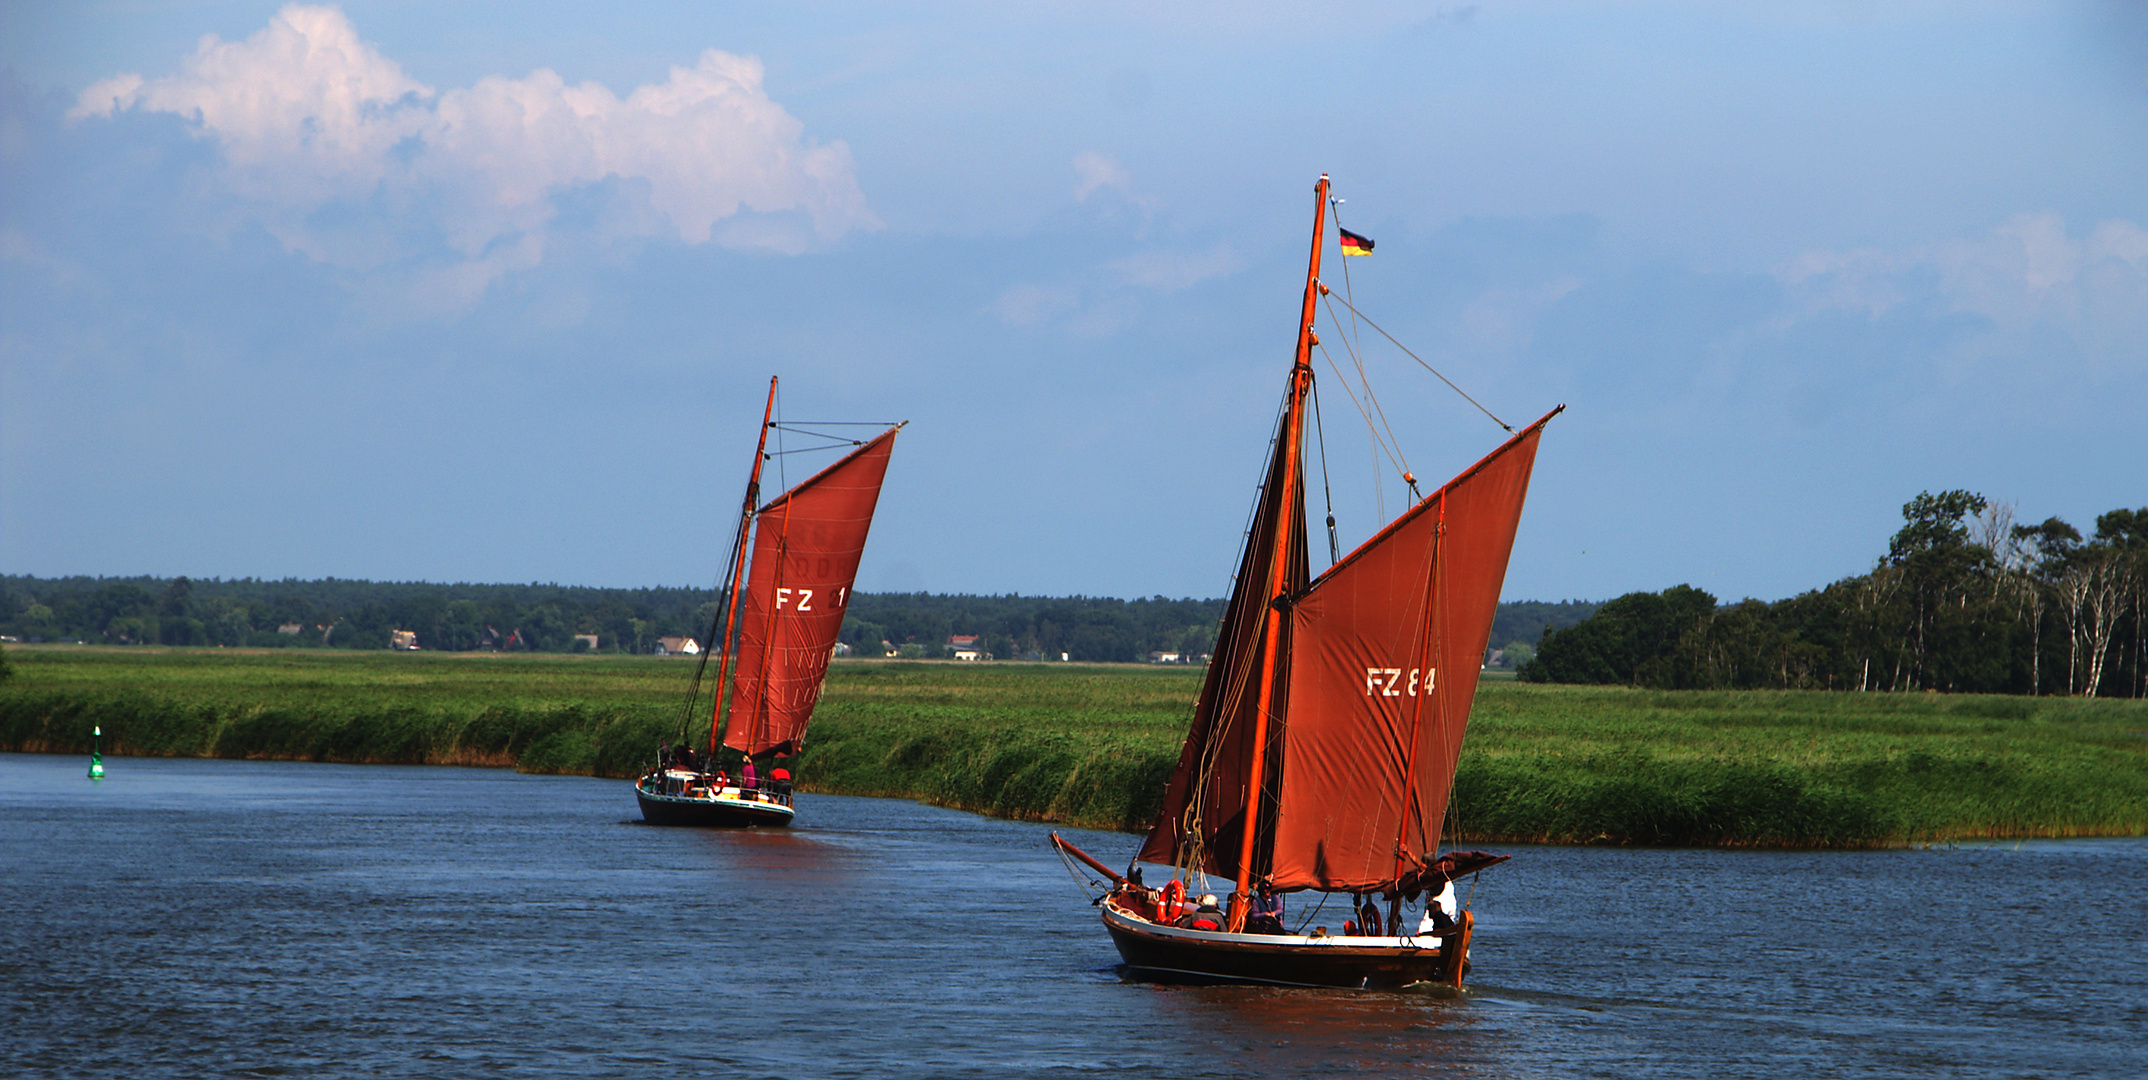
[806, 547]
[1384, 654]
[1203, 813]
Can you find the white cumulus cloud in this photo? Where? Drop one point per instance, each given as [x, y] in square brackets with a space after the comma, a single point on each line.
[2024, 277]
[310, 118]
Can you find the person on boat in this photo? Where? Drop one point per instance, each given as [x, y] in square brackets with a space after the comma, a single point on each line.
[1207, 916]
[746, 785]
[685, 755]
[1439, 910]
[779, 779]
[1264, 915]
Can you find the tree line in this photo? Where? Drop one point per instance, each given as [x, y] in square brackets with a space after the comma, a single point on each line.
[1965, 600]
[342, 614]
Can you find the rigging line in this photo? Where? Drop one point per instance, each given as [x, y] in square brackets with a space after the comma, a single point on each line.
[1336, 205]
[1357, 354]
[1421, 362]
[813, 449]
[1076, 876]
[1372, 433]
[1437, 608]
[783, 477]
[1357, 357]
[1362, 411]
[801, 424]
[1320, 430]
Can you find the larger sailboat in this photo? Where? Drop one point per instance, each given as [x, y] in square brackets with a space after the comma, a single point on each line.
[1325, 738]
[784, 610]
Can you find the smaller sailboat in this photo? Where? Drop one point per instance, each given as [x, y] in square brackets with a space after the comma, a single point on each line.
[774, 638]
[1323, 747]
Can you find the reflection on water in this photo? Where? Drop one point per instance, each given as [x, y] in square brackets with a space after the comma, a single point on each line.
[796, 856]
[261, 917]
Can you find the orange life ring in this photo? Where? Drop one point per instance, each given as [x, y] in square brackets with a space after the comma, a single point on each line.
[1172, 903]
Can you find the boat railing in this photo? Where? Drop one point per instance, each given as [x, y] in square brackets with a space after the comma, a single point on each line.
[696, 786]
[1138, 901]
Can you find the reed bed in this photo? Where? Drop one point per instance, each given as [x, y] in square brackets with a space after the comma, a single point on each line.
[1093, 745]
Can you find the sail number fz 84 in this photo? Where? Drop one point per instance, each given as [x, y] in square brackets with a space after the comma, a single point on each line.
[1388, 682]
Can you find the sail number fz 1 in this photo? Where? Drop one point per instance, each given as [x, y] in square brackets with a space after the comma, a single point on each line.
[802, 599]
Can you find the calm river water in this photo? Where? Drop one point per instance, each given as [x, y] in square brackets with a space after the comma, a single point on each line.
[202, 918]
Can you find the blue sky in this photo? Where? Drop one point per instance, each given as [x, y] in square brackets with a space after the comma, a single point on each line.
[491, 292]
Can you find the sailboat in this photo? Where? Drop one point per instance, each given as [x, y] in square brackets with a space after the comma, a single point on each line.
[1324, 742]
[804, 550]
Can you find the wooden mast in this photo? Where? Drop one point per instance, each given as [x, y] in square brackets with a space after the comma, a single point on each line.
[1301, 377]
[738, 566]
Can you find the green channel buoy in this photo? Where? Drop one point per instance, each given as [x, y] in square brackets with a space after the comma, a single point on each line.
[96, 757]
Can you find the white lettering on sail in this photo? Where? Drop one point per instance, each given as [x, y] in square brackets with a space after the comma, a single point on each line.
[783, 596]
[805, 599]
[1388, 681]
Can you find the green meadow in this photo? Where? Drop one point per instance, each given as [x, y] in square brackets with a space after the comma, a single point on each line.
[1092, 745]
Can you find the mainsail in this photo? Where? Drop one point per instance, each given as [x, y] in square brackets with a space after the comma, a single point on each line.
[1377, 666]
[1385, 651]
[806, 547]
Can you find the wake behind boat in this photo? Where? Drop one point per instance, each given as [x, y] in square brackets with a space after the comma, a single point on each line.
[1323, 747]
[786, 593]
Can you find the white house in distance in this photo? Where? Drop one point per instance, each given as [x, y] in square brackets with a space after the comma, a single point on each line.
[965, 647]
[590, 639]
[403, 639]
[677, 646]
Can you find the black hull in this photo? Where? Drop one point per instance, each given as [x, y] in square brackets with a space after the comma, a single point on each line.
[710, 813]
[1166, 954]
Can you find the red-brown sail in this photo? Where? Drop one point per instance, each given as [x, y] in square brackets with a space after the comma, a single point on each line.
[1202, 820]
[1385, 651]
[806, 547]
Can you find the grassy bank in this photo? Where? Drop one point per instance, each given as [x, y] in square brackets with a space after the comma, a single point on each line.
[1092, 745]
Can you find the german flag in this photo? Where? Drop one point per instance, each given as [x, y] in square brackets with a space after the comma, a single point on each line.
[1353, 244]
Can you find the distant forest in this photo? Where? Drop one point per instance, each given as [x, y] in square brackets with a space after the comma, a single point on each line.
[340, 614]
[1964, 600]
